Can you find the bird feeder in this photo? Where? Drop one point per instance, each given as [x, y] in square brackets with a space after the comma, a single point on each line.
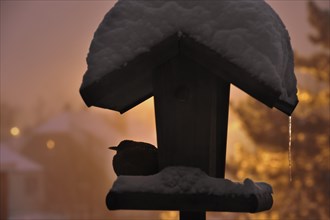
[186, 54]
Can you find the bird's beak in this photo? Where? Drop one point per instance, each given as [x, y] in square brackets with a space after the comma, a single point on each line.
[113, 148]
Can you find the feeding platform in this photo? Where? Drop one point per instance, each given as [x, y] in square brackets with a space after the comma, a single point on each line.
[186, 54]
[188, 189]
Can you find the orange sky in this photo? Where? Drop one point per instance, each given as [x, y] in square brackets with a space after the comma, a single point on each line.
[44, 45]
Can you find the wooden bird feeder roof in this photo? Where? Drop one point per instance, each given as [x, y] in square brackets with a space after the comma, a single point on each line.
[244, 43]
[132, 84]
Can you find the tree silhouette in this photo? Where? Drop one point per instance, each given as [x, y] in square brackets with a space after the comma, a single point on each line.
[308, 196]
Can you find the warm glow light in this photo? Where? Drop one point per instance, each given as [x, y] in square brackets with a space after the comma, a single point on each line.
[304, 96]
[50, 144]
[301, 136]
[15, 131]
[235, 125]
[168, 215]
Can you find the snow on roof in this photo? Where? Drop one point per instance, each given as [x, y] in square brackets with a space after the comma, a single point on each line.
[187, 180]
[79, 124]
[13, 161]
[248, 33]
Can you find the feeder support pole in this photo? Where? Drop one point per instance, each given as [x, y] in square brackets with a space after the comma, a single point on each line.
[191, 107]
[191, 215]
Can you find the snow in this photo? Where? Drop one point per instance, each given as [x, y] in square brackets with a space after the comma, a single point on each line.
[248, 33]
[80, 124]
[188, 180]
[13, 161]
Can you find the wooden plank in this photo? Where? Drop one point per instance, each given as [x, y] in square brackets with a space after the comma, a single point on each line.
[218, 128]
[188, 202]
[191, 108]
[192, 215]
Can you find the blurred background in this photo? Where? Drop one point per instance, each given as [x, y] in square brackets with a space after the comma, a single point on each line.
[54, 158]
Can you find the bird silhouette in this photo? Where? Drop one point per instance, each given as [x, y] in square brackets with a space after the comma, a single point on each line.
[135, 158]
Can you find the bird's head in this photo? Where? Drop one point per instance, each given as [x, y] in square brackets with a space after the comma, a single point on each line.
[113, 148]
[123, 145]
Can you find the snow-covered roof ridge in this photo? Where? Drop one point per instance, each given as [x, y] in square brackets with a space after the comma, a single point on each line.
[247, 33]
[80, 124]
[188, 180]
[13, 161]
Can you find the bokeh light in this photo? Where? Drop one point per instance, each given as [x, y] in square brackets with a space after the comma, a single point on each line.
[15, 131]
[50, 144]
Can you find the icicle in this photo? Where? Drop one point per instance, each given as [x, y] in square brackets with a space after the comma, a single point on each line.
[290, 153]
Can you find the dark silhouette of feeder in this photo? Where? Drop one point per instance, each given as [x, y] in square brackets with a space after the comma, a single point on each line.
[190, 83]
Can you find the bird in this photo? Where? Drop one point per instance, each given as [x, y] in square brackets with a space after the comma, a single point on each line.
[135, 158]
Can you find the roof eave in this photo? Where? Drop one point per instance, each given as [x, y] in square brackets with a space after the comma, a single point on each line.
[130, 85]
[124, 88]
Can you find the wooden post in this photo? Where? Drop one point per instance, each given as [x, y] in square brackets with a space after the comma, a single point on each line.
[192, 215]
[191, 107]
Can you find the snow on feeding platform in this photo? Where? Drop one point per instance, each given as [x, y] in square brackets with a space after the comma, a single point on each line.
[247, 33]
[187, 180]
[181, 184]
